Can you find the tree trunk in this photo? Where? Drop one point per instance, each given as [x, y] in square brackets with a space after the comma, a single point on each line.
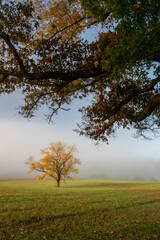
[58, 182]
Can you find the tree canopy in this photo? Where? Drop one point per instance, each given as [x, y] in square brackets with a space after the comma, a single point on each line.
[58, 162]
[44, 54]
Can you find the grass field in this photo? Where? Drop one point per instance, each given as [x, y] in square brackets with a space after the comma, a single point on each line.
[79, 210]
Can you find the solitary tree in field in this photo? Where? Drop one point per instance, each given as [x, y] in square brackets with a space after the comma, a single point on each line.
[58, 162]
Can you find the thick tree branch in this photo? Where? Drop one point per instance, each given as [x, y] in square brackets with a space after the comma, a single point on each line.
[148, 109]
[57, 75]
[134, 94]
[6, 38]
[67, 76]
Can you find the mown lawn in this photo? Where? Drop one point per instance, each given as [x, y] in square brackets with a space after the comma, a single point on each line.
[79, 210]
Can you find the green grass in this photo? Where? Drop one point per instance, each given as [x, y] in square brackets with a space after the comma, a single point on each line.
[79, 210]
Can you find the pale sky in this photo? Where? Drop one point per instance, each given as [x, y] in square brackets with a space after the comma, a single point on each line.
[124, 158]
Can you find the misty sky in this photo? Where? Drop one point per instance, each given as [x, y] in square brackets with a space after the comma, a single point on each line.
[124, 158]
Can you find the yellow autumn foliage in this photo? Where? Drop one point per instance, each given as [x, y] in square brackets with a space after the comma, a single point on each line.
[58, 162]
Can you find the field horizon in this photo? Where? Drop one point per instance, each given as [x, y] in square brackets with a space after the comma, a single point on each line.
[78, 179]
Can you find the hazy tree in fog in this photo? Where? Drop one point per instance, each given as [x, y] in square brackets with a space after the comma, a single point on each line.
[58, 162]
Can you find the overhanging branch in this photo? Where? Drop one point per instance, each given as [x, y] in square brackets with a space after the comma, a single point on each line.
[57, 75]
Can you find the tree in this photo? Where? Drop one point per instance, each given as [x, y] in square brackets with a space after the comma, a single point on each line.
[45, 56]
[58, 162]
